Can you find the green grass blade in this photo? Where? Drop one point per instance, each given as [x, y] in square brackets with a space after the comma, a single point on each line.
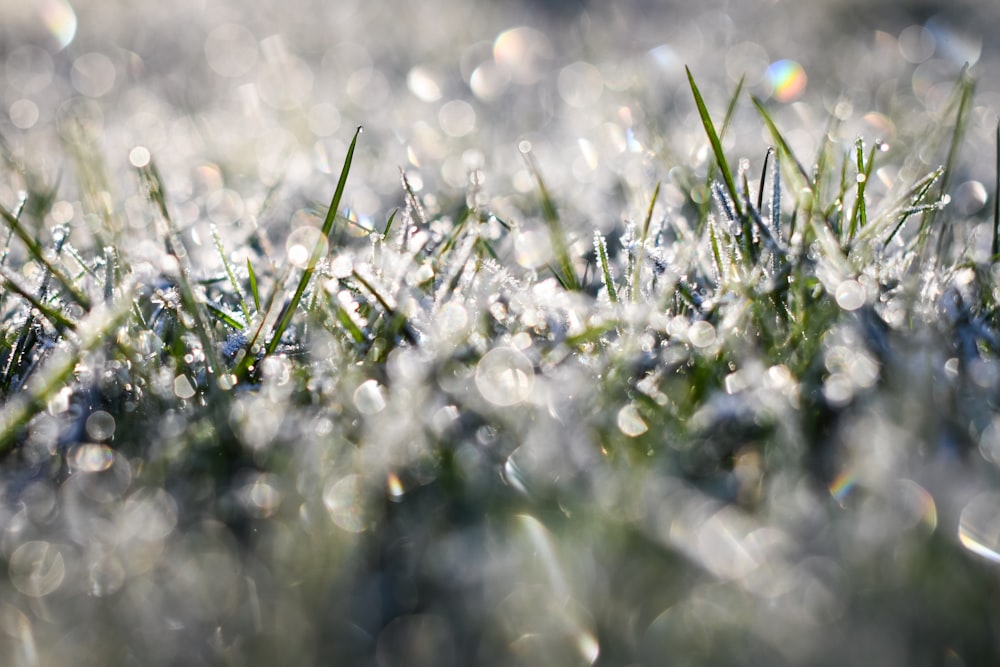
[859, 215]
[966, 89]
[780, 139]
[713, 138]
[565, 274]
[307, 274]
[225, 317]
[388, 224]
[254, 290]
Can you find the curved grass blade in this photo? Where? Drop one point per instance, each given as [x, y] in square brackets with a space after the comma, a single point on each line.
[713, 138]
[779, 139]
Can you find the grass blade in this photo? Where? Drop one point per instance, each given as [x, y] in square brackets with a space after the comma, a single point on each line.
[231, 274]
[713, 138]
[565, 274]
[966, 88]
[601, 250]
[637, 268]
[779, 139]
[58, 368]
[307, 274]
[181, 273]
[995, 247]
[254, 291]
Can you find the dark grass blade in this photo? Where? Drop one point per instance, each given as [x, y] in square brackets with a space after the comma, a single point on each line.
[763, 178]
[307, 274]
[388, 224]
[713, 138]
[995, 247]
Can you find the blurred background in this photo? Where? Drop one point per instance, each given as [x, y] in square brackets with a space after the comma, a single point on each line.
[270, 92]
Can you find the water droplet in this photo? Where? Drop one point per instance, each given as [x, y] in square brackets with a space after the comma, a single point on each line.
[701, 334]
[182, 387]
[850, 295]
[100, 426]
[369, 398]
[139, 157]
[630, 422]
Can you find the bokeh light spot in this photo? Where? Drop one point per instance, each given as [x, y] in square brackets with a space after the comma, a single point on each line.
[979, 526]
[93, 74]
[60, 20]
[343, 501]
[231, 50]
[37, 568]
[457, 118]
[787, 79]
[505, 376]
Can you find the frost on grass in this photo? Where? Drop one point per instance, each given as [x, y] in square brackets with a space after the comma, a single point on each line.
[470, 432]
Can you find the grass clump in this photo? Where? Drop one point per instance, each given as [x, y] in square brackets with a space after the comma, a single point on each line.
[750, 434]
